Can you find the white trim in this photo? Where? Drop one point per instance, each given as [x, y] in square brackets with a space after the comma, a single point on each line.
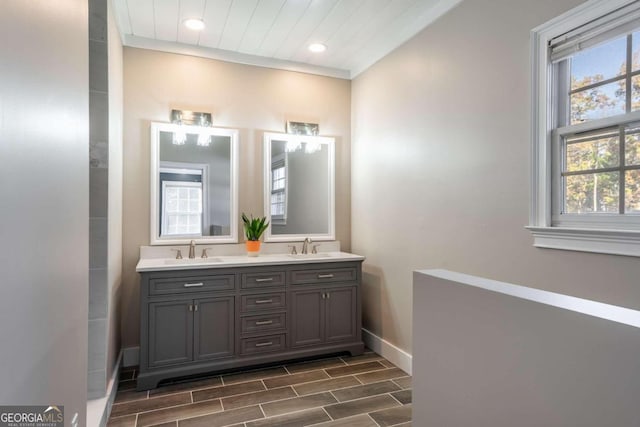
[130, 357]
[542, 122]
[99, 410]
[384, 348]
[154, 168]
[614, 242]
[235, 57]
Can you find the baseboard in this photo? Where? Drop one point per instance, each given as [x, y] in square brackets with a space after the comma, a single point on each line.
[393, 354]
[131, 357]
[98, 410]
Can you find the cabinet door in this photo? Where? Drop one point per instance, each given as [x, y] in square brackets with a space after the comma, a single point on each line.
[341, 309]
[307, 313]
[214, 328]
[170, 333]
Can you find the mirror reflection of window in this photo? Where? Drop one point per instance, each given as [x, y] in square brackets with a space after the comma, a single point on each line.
[181, 201]
[279, 190]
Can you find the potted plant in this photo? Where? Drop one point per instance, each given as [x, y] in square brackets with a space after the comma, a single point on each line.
[253, 229]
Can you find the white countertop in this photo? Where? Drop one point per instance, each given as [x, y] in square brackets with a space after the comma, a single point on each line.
[225, 261]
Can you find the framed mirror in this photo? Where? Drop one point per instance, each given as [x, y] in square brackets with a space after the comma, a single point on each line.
[299, 187]
[194, 184]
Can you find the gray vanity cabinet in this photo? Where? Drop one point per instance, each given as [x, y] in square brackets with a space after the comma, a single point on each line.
[218, 319]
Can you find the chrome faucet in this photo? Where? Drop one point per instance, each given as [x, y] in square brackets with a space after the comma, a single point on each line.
[192, 249]
[305, 245]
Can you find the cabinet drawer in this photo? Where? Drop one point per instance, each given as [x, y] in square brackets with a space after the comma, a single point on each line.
[263, 323]
[324, 275]
[263, 344]
[258, 302]
[262, 279]
[173, 285]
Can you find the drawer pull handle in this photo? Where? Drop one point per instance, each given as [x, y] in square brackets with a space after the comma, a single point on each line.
[264, 301]
[266, 279]
[193, 285]
[264, 344]
[264, 322]
[325, 276]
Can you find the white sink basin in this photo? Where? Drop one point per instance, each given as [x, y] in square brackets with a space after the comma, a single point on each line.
[187, 261]
[310, 256]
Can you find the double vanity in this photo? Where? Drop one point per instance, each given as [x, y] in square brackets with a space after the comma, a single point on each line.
[224, 312]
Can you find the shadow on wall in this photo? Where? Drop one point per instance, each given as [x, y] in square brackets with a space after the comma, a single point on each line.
[373, 285]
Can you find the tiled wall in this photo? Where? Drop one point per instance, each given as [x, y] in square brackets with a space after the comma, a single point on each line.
[98, 198]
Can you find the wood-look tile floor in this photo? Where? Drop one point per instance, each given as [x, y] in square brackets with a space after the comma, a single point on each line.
[360, 391]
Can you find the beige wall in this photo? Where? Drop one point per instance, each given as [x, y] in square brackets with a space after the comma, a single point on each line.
[248, 98]
[440, 173]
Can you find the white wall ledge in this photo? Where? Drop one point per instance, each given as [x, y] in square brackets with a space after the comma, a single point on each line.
[613, 242]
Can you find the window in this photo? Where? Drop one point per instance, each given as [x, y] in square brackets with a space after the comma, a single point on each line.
[279, 191]
[586, 129]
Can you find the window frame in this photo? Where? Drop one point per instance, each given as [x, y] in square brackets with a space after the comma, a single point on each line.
[165, 214]
[611, 234]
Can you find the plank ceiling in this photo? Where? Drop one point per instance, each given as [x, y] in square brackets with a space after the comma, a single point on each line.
[276, 33]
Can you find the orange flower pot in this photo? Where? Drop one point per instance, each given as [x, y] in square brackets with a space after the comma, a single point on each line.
[253, 247]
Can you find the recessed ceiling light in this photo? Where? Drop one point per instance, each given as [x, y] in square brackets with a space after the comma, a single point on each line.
[317, 47]
[194, 24]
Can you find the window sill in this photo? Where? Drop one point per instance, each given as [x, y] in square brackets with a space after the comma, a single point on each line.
[613, 242]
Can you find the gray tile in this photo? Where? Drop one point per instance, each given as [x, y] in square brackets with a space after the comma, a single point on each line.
[98, 295]
[169, 424]
[98, 66]
[392, 416]
[297, 419]
[179, 413]
[316, 364]
[98, 242]
[355, 421]
[126, 408]
[98, 192]
[186, 386]
[304, 377]
[355, 369]
[361, 406]
[254, 375]
[98, 20]
[227, 390]
[297, 404]
[99, 154]
[98, 116]
[366, 357]
[128, 421]
[96, 384]
[403, 382]
[360, 391]
[257, 397]
[97, 344]
[403, 396]
[326, 385]
[386, 374]
[224, 418]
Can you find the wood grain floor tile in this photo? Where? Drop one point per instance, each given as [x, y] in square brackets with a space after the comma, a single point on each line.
[169, 424]
[333, 362]
[186, 386]
[392, 416]
[355, 369]
[179, 412]
[361, 420]
[403, 396]
[126, 408]
[297, 404]
[297, 419]
[326, 385]
[361, 406]
[130, 395]
[127, 421]
[366, 390]
[386, 374]
[403, 382]
[366, 357]
[257, 397]
[225, 418]
[254, 375]
[304, 377]
[227, 390]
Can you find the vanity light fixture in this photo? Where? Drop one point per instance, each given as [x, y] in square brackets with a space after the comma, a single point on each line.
[317, 47]
[179, 138]
[204, 140]
[194, 24]
[292, 146]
